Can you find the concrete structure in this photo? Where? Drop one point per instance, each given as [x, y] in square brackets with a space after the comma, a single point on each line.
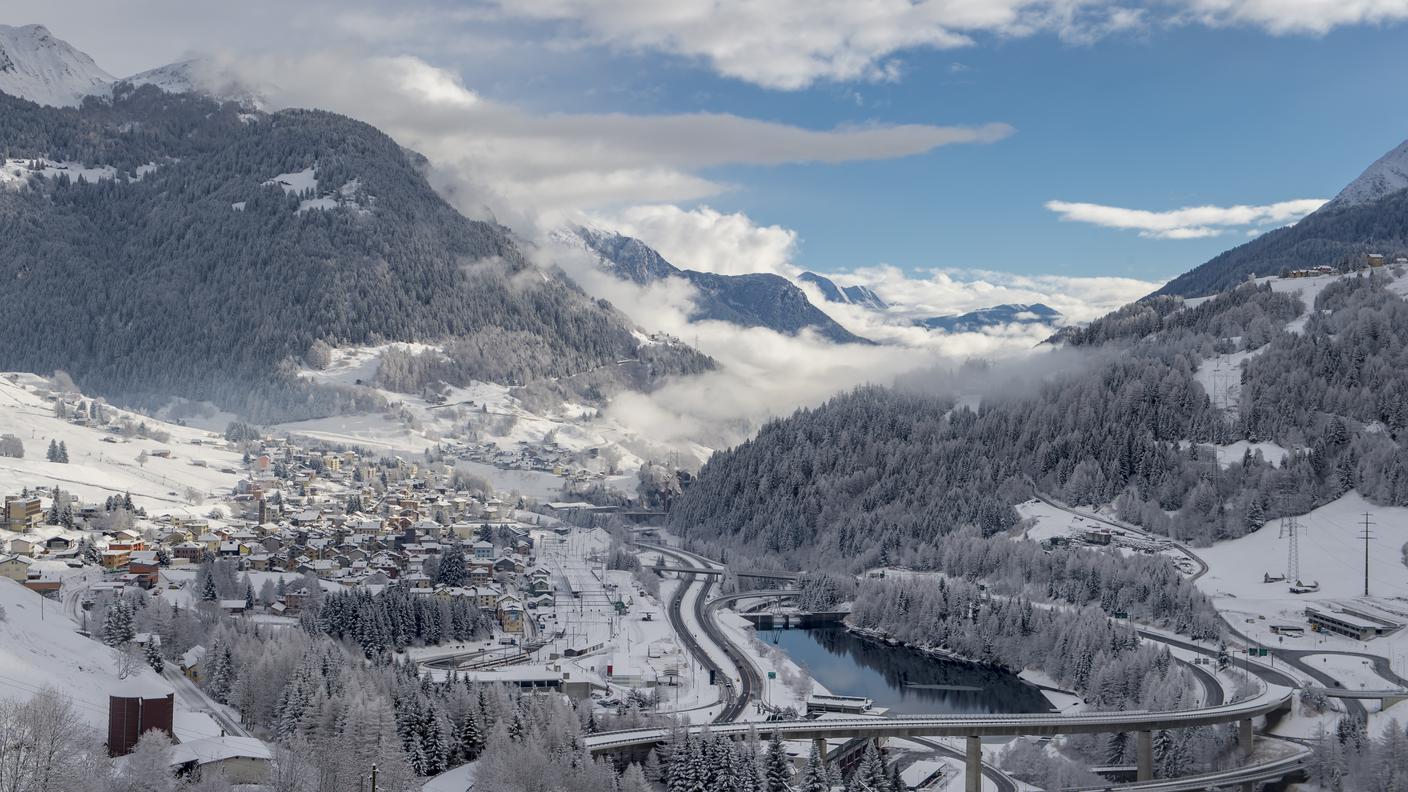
[1343, 624]
[22, 514]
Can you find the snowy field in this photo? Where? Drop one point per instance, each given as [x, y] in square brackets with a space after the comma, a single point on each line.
[1332, 554]
[103, 464]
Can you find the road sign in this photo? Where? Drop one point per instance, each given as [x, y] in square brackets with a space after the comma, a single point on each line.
[772, 675]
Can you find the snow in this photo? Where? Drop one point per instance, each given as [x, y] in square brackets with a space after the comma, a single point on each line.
[297, 182]
[458, 779]
[98, 468]
[1388, 174]
[15, 173]
[1221, 377]
[214, 749]
[35, 65]
[1350, 672]
[1332, 554]
[505, 421]
[40, 648]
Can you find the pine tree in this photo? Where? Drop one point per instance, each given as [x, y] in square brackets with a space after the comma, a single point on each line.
[63, 453]
[815, 778]
[208, 591]
[52, 454]
[453, 570]
[117, 624]
[777, 768]
[154, 658]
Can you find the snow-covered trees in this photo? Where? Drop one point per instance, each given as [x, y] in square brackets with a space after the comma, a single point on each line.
[394, 619]
[118, 629]
[453, 570]
[45, 744]
[11, 446]
[58, 452]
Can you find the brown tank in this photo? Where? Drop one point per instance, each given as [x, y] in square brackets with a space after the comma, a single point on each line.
[131, 716]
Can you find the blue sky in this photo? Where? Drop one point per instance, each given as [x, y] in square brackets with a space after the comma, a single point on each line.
[1154, 120]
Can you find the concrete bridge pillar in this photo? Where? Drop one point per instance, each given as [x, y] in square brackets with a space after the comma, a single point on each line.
[819, 743]
[1245, 736]
[1144, 755]
[973, 765]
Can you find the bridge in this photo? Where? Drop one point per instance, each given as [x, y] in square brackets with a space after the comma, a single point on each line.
[743, 573]
[974, 727]
[1387, 697]
[1274, 698]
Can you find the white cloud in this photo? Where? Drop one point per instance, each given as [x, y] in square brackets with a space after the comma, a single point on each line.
[1190, 222]
[790, 44]
[498, 156]
[1297, 16]
[707, 240]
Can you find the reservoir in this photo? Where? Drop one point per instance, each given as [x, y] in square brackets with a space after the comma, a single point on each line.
[903, 680]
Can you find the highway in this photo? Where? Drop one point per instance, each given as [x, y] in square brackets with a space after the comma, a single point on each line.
[735, 701]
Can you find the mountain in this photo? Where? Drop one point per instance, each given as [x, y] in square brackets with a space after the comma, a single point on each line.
[35, 65]
[1387, 175]
[205, 257]
[910, 474]
[860, 295]
[1011, 313]
[752, 300]
[1370, 215]
[196, 75]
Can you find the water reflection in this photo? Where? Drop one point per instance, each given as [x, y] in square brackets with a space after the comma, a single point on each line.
[902, 679]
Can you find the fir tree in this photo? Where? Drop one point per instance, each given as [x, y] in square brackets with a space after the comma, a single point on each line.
[777, 768]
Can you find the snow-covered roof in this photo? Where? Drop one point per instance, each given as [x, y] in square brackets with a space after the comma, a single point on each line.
[217, 749]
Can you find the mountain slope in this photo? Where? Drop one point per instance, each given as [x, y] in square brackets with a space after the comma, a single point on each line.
[1330, 236]
[1386, 176]
[1011, 313]
[1370, 215]
[36, 66]
[752, 300]
[220, 245]
[860, 295]
[1129, 421]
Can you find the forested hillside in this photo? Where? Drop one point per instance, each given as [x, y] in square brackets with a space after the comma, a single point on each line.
[177, 263]
[888, 473]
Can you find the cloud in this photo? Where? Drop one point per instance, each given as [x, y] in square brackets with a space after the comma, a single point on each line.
[791, 44]
[1190, 222]
[1296, 16]
[493, 154]
[707, 240]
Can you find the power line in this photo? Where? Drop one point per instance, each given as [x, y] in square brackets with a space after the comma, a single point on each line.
[1366, 534]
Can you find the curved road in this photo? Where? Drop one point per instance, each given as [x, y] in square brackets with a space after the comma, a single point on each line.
[748, 680]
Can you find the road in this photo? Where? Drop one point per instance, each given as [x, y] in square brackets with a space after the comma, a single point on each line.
[197, 701]
[735, 702]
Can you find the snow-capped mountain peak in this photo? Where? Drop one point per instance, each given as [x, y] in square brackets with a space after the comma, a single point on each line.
[35, 65]
[1387, 175]
[196, 75]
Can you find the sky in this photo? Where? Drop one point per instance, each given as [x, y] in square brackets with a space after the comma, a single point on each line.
[1004, 135]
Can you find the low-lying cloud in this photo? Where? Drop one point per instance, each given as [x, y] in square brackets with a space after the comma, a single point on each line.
[1189, 222]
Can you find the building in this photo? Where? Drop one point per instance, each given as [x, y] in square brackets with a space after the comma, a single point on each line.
[1343, 624]
[240, 760]
[15, 567]
[144, 565]
[22, 514]
[139, 705]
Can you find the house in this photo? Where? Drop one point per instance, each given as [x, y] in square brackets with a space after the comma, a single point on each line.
[23, 546]
[192, 552]
[239, 760]
[143, 564]
[510, 613]
[234, 607]
[483, 551]
[115, 559]
[15, 567]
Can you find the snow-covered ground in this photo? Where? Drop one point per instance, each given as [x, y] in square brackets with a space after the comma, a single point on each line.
[102, 463]
[1332, 553]
[40, 648]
